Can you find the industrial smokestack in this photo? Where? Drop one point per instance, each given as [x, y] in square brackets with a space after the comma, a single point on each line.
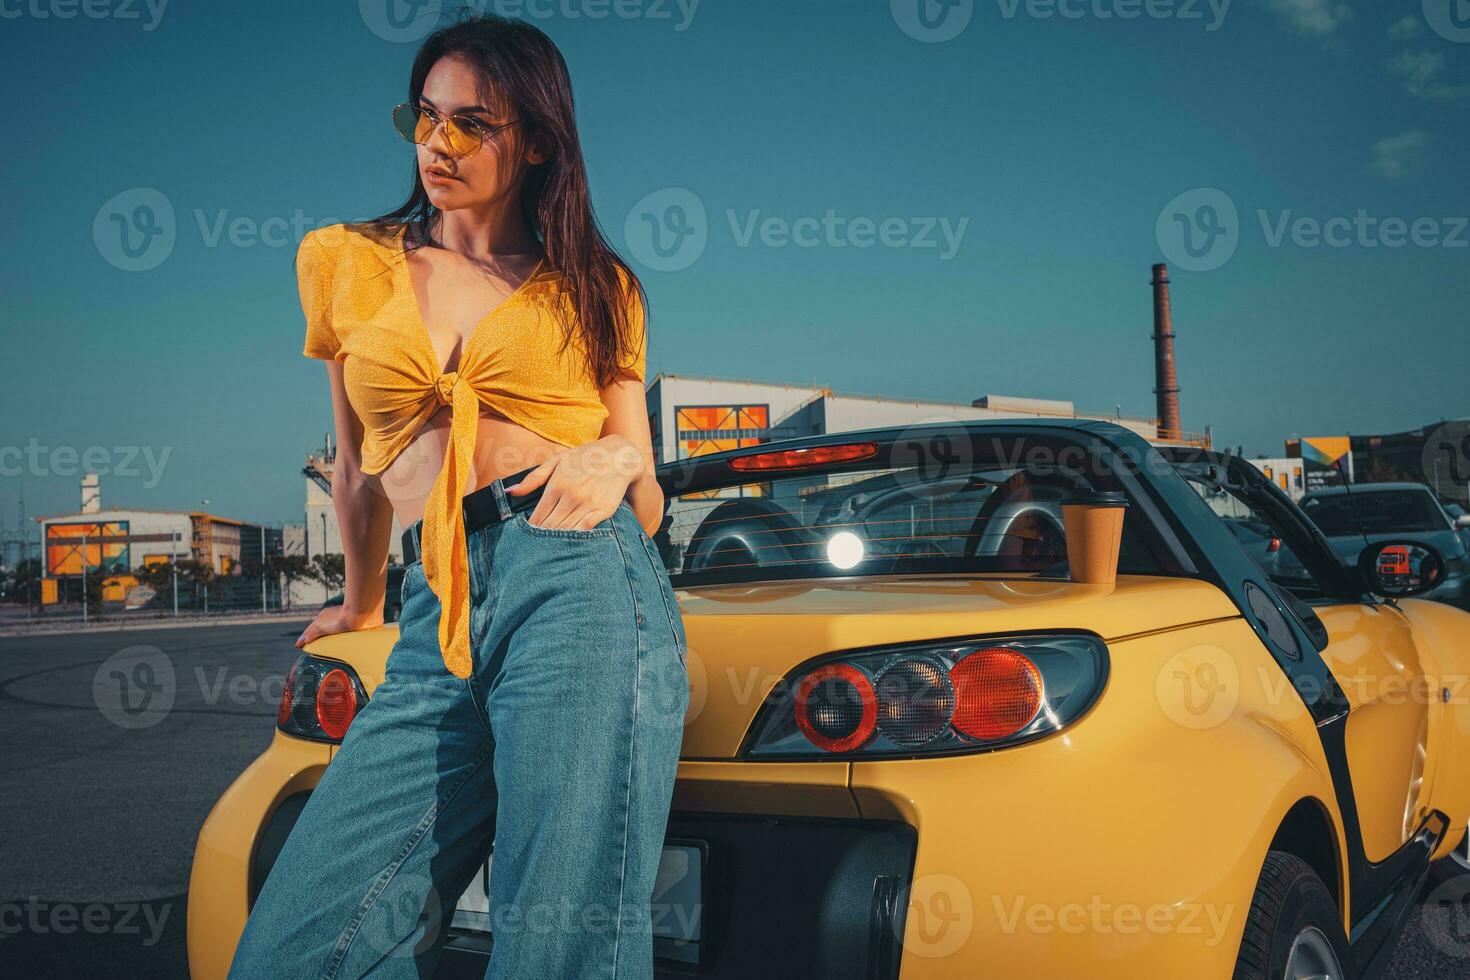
[1166, 380]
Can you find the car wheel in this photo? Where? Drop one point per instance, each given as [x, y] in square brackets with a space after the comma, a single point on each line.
[1293, 931]
[1455, 864]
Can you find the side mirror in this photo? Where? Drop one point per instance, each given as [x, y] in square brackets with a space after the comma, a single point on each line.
[1401, 568]
[1462, 521]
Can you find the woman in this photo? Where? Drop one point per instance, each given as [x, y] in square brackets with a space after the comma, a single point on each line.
[485, 350]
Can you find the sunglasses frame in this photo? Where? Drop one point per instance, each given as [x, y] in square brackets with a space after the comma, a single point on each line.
[467, 124]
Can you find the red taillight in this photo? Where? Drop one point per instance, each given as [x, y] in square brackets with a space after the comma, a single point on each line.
[997, 693]
[836, 708]
[1274, 546]
[931, 698]
[792, 459]
[288, 696]
[336, 703]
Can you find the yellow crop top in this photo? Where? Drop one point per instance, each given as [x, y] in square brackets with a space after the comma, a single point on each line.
[360, 307]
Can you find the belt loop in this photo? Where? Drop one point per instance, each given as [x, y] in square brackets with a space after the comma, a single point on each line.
[501, 504]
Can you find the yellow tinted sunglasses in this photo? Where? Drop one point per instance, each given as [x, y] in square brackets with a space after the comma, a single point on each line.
[462, 134]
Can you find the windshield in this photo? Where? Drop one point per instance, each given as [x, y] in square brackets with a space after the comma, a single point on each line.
[1375, 512]
[979, 517]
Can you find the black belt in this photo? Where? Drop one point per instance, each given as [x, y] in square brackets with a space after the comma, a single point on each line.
[483, 506]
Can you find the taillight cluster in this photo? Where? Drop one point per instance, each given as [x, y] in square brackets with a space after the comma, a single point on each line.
[320, 699]
[932, 699]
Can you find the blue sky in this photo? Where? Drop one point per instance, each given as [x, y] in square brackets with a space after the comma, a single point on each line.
[938, 207]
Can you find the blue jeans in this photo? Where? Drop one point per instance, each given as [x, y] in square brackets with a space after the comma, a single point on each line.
[560, 747]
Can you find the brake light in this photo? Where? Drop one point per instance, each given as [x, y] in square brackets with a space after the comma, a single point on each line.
[320, 699]
[931, 698]
[792, 459]
[1274, 546]
[336, 703]
[999, 692]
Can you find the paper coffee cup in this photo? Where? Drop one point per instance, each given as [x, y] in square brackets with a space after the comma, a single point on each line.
[1094, 526]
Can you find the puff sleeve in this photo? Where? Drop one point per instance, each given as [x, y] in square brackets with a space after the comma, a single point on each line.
[314, 280]
[634, 359]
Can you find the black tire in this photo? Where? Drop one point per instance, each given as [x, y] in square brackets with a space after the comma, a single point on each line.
[391, 614]
[1290, 900]
[1448, 869]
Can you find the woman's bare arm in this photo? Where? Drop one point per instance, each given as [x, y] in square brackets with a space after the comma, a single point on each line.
[365, 521]
[627, 416]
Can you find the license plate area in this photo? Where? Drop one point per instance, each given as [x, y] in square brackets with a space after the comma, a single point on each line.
[677, 906]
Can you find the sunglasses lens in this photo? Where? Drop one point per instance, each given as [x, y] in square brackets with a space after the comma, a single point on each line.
[462, 141]
[409, 121]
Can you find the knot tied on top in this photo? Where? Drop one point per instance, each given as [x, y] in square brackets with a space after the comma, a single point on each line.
[444, 387]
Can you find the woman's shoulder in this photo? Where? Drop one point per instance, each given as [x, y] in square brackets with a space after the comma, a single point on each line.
[346, 249]
[351, 238]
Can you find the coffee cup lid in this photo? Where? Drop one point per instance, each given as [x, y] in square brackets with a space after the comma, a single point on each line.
[1098, 498]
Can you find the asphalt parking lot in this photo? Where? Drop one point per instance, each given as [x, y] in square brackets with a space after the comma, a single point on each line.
[100, 811]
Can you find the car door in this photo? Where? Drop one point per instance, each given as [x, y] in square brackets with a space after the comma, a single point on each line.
[1369, 646]
[1372, 651]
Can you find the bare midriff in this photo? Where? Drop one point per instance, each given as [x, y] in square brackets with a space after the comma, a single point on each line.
[502, 447]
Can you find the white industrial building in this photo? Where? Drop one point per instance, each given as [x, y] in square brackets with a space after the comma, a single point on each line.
[692, 416]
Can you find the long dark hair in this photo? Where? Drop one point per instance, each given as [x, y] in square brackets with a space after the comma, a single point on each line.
[526, 67]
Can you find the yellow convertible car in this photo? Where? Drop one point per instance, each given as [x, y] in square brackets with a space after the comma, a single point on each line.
[992, 699]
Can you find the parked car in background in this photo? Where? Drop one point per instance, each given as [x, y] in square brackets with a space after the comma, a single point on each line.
[392, 595]
[1256, 536]
[1362, 514]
